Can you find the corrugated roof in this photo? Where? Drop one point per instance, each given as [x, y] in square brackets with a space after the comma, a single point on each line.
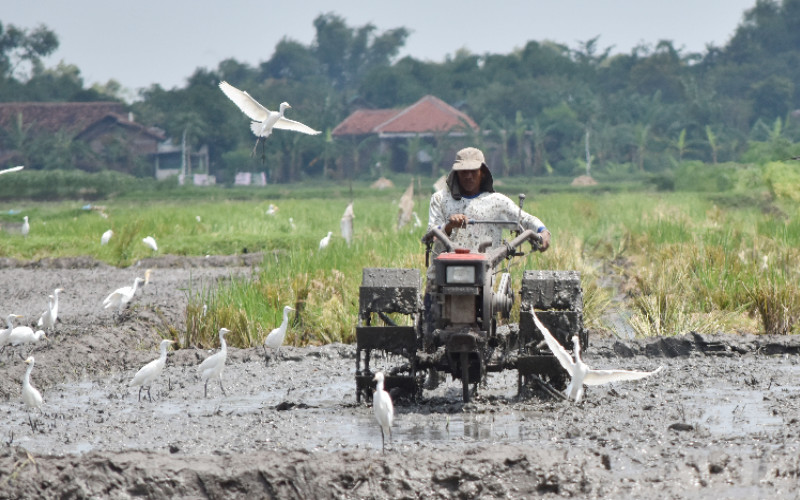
[428, 115]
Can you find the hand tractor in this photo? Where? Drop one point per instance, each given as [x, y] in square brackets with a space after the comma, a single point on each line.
[454, 328]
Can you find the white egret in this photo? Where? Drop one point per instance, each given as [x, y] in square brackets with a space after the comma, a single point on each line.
[417, 222]
[291, 224]
[49, 317]
[12, 169]
[5, 334]
[25, 335]
[264, 120]
[26, 227]
[383, 408]
[121, 296]
[213, 365]
[323, 243]
[271, 209]
[151, 242]
[106, 236]
[30, 395]
[275, 338]
[147, 274]
[149, 372]
[579, 371]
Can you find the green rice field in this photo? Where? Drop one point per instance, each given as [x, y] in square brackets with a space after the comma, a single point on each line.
[652, 263]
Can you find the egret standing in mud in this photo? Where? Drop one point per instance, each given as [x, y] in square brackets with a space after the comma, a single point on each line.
[383, 408]
[213, 365]
[22, 335]
[579, 371]
[48, 318]
[30, 395]
[121, 296]
[149, 372]
[275, 338]
[5, 334]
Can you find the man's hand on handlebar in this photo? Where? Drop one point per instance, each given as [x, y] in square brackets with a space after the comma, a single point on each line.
[545, 244]
[455, 220]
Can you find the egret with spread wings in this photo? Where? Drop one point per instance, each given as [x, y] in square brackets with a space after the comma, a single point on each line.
[579, 372]
[264, 120]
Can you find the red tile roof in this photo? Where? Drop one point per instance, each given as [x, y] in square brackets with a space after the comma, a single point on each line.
[428, 115]
[364, 121]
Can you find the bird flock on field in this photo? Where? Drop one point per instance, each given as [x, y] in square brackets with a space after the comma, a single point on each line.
[263, 122]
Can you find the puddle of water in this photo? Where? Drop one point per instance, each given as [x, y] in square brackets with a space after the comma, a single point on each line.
[734, 411]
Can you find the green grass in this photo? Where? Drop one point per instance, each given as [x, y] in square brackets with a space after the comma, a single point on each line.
[685, 261]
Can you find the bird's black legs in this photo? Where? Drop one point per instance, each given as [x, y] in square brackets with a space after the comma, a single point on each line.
[148, 394]
[205, 391]
[140, 393]
[222, 387]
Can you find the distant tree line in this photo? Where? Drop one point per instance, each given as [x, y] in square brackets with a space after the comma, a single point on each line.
[543, 109]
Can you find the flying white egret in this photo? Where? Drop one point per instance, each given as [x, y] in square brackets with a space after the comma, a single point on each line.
[213, 365]
[106, 236]
[383, 408]
[149, 372]
[26, 227]
[346, 223]
[323, 243]
[30, 395]
[275, 338]
[12, 169]
[121, 296]
[5, 334]
[264, 120]
[579, 371]
[151, 242]
[271, 209]
[49, 317]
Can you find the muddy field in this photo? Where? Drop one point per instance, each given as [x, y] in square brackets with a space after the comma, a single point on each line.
[720, 420]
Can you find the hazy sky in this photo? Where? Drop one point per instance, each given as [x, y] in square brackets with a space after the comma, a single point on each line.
[141, 42]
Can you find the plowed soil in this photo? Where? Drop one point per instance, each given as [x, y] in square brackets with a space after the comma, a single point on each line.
[721, 419]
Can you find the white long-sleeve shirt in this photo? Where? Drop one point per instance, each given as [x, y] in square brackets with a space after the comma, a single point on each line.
[485, 206]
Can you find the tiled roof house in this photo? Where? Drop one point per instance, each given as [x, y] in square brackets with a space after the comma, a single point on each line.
[98, 124]
[428, 116]
[429, 119]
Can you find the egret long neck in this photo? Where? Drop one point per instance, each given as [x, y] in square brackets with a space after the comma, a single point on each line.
[285, 321]
[163, 351]
[27, 379]
[223, 343]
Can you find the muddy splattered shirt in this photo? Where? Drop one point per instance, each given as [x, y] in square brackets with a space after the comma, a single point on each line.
[485, 206]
